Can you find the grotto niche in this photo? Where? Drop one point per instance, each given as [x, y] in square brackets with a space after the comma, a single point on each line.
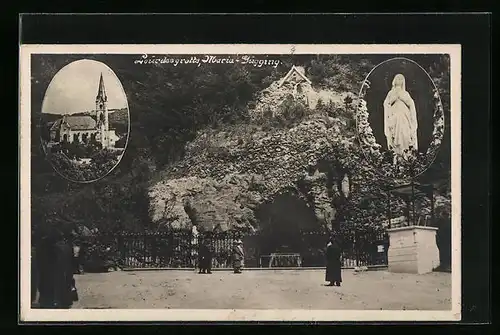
[282, 223]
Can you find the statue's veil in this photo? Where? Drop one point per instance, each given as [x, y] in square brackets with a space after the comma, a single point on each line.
[403, 81]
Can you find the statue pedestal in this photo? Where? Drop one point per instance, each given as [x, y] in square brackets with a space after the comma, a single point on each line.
[413, 249]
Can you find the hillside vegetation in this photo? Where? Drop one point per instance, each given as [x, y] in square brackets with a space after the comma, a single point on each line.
[196, 154]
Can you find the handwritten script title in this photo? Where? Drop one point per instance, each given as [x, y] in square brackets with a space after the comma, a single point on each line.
[208, 59]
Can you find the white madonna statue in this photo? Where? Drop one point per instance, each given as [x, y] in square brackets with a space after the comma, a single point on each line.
[400, 119]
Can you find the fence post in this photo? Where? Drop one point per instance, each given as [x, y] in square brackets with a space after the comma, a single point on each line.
[144, 250]
[154, 248]
[170, 247]
[355, 245]
[120, 248]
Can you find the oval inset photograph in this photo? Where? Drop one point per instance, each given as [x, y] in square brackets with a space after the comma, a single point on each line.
[85, 121]
[400, 118]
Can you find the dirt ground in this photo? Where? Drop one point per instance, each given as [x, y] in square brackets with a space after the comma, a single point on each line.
[285, 289]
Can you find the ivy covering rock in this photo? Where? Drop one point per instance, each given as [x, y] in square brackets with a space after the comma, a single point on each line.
[231, 172]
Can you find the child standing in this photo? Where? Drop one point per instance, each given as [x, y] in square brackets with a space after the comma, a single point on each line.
[238, 256]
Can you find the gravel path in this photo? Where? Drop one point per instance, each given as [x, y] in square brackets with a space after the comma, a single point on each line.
[292, 289]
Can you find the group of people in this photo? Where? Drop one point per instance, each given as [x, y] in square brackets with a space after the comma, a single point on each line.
[333, 259]
[52, 269]
[205, 255]
[55, 260]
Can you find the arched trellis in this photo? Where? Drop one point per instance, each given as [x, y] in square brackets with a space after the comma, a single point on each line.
[409, 193]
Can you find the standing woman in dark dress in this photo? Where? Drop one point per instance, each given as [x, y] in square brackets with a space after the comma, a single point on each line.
[64, 281]
[333, 262]
[205, 257]
[56, 281]
[45, 255]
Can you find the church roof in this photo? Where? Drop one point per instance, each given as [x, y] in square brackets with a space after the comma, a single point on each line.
[294, 69]
[80, 122]
[55, 125]
[101, 92]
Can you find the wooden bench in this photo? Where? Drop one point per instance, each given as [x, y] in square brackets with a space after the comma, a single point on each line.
[277, 257]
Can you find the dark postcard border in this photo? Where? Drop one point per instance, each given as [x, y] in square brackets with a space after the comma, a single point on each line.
[249, 28]
[473, 32]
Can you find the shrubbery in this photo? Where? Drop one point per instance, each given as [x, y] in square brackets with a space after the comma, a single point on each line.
[65, 161]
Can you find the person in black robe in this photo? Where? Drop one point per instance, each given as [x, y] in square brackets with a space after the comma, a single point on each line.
[205, 257]
[55, 263]
[333, 262]
[63, 277]
[45, 255]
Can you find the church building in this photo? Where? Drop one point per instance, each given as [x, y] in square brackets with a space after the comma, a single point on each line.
[86, 128]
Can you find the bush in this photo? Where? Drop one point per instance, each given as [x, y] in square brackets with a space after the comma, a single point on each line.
[100, 255]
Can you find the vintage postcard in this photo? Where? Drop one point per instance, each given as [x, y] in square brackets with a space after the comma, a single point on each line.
[240, 182]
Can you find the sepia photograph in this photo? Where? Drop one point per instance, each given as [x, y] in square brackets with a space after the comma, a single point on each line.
[240, 182]
[401, 122]
[84, 121]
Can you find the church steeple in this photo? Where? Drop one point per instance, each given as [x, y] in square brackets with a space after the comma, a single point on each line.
[101, 92]
[102, 117]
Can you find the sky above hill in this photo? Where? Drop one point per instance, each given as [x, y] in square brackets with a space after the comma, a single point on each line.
[74, 88]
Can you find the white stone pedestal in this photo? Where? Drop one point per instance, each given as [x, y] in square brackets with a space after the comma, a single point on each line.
[413, 249]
